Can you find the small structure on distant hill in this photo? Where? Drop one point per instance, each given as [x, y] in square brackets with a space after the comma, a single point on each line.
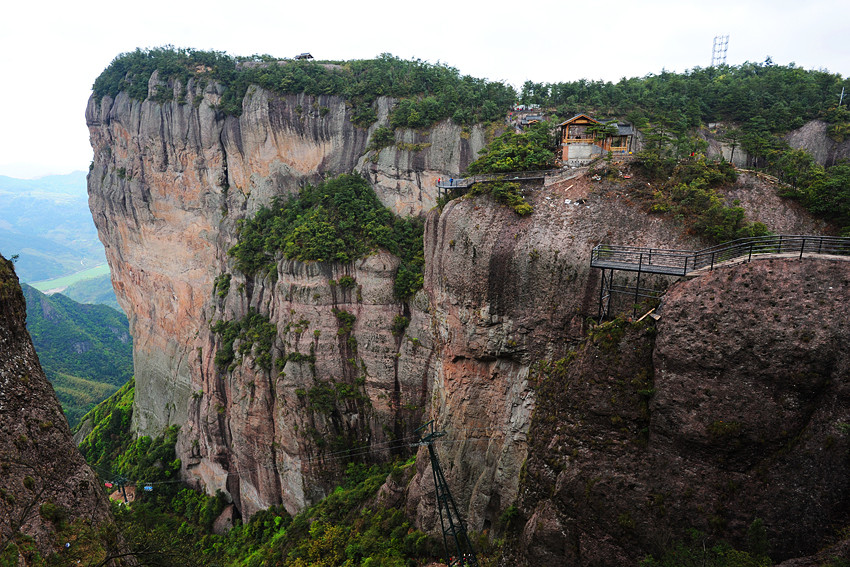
[303, 56]
[584, 138]
[530, 119]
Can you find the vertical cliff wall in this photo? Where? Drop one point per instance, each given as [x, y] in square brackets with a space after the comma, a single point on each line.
[506, 293]
[319, 373]
[168, 185]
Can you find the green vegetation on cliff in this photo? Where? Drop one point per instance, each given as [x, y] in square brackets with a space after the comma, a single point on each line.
[530, 150]
[779, 97]
[824, 191]
[255, 334]
[428, 92]
[110, 433]
[172, 525]
[690, 192]
[340, 220]
[754, 102]
[86, 350]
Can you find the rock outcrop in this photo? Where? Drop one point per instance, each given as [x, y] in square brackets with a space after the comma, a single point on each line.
[732, 408]
[321, 370]
[47, 491]
[815, 139]
[168, 186]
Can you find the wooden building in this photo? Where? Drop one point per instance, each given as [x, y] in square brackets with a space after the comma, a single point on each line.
[584, 138]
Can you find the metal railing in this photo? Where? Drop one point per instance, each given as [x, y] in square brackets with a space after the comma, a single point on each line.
[684, 262]
[507, 176]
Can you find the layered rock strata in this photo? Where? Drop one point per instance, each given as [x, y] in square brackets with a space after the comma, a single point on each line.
[168, 186]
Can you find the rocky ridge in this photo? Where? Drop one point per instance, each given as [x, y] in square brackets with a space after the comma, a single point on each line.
[731, 408]
[502, 293]
[47, 491]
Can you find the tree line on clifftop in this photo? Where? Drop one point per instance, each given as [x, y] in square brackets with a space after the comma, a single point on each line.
[753, 102]
[427, 92]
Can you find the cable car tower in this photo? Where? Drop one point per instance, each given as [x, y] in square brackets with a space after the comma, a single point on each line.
[450, 519]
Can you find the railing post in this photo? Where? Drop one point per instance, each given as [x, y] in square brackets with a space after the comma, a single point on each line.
[802, 247]
[750, 257]
[601, 293]
[780, 244]
[637, 285]
[712, 263]
[820, 244]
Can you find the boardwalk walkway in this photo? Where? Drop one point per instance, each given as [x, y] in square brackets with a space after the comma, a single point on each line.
[687, 262]
[467, 182]
[690, 263]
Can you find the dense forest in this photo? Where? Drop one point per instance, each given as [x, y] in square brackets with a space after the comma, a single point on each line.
[86, 350]
[427, 92]
[766, 96]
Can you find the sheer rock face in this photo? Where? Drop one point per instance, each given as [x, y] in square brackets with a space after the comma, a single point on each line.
[168, 184]
[507, 292]
[745, 418]
[42, 475]
[814, 138]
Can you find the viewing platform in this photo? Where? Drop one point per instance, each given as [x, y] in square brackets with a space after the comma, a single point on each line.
[689, 263]
[467, 182]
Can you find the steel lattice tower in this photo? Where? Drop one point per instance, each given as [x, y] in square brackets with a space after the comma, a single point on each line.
[451, 521]
[718, 52]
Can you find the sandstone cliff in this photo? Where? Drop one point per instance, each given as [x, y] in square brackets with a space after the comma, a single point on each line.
[48, 495]
[502, 294]
[168, 185]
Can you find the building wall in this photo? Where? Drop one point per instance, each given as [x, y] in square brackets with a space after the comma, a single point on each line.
[578, 154]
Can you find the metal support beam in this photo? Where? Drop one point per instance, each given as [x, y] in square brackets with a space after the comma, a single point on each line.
[451, 522]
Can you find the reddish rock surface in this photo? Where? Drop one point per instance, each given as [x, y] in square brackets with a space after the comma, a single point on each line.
[170, 183]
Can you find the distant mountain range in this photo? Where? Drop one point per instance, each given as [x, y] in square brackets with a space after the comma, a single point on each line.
[86, 350]
[46, 222]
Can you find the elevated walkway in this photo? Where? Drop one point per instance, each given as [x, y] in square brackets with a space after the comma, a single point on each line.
[467, 182]
[689, 263]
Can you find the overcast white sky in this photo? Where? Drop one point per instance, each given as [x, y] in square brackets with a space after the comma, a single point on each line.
[51, 52]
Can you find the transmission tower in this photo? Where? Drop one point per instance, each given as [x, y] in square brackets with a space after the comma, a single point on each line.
[450, 520]
[718, 52]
